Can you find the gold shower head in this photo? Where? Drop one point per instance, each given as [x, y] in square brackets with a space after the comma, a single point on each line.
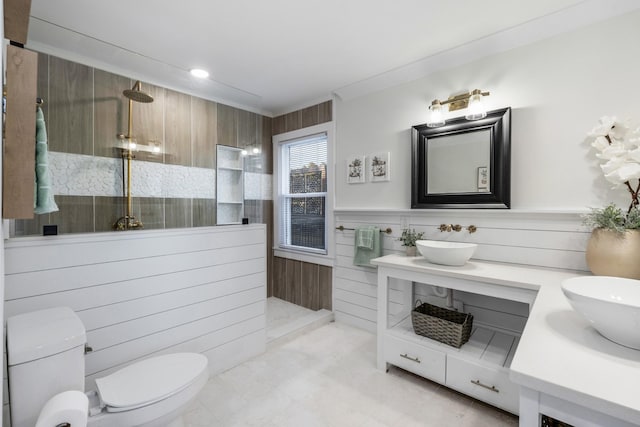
[136, 94]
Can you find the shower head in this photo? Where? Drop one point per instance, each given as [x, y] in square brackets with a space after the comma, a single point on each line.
[136, 94]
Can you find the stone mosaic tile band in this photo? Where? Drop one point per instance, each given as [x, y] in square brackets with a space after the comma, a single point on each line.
[83, 175]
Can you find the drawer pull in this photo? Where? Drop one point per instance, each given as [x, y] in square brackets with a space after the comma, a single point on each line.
[492, 388]
[413, 359]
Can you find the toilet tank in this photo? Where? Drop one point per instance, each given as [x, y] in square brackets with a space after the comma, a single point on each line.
[45, 356]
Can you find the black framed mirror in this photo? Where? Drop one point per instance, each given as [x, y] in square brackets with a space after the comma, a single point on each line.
[463, 164]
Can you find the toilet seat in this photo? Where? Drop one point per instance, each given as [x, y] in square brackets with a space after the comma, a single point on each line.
[149, 381]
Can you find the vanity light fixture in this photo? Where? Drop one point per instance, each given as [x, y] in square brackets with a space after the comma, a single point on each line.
[472, 101]
[436, 118]
[199, 73]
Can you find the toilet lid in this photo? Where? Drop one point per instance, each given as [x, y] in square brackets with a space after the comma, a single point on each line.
[150, 380]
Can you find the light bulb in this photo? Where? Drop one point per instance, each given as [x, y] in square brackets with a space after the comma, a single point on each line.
[132, 145]
[244, 152]
[156, 148]
[476, 109]
[199, 73]
[256, 150]
[436, 117]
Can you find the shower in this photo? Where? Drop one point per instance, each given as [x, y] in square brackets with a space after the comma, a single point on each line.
[128, 221]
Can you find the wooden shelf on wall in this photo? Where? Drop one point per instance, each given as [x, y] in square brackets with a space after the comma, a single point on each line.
[20, 134]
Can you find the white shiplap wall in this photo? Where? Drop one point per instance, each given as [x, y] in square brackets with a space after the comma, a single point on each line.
[545, 239]
[145, 293]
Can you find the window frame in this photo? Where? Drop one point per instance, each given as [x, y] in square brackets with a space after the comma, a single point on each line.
[279, 177]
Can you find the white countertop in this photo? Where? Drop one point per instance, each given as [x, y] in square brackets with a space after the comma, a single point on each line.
[559, 353]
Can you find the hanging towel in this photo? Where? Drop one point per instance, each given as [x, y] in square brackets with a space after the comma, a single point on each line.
[364, 237]
[43, 195]
[362, 255]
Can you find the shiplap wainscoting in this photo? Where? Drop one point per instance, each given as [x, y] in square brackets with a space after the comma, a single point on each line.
[544, 239]
[146, 293]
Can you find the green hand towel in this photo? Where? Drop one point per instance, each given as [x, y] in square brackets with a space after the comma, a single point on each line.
[364, 237]
[363, 256]
[43, 194]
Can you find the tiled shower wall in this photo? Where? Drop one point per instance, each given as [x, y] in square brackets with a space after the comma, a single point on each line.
[302, 283]
[84, 111]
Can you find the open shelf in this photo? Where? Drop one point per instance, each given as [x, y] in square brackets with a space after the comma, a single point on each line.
[229, 185]
[486, 345]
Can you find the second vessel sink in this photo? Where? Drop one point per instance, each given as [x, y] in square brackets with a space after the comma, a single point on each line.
[446, 253]
[610, 304]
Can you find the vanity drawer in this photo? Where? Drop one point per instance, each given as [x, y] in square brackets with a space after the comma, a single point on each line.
[416, 358]
[491, 385]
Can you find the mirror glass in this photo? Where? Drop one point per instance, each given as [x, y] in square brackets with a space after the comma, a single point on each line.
[470, 152]
[463, 164]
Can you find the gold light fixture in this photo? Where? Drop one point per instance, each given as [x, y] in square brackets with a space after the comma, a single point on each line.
[472, 101]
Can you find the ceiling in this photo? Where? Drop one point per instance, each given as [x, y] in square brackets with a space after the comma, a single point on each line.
[279, 55]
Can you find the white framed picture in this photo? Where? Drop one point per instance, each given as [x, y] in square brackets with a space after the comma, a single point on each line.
[379, 167]
[483, 178]
[356, 170]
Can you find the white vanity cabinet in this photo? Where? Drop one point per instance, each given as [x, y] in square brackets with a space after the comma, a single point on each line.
[480, 368]
[560, 368]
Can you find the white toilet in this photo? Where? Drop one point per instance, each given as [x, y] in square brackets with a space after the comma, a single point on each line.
[46, 357]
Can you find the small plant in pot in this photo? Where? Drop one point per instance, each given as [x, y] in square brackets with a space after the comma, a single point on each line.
[408, 238]
[614, 244]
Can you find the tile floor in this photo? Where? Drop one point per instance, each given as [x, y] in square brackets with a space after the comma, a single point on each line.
[327, 377]
[286, 321]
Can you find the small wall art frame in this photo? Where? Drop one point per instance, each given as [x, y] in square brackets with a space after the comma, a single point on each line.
[356, 172]
[379, 167]
[483, 178]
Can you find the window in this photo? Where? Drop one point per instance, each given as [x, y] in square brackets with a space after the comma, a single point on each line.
[302, 189]
[303, 192]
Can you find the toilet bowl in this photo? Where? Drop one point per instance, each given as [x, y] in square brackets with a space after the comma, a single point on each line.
[46, 357]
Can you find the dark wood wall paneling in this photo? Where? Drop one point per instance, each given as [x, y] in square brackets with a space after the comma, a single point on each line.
[310, 116]
[204, 132]
[70, 125]
[85, 110]
[302, 283]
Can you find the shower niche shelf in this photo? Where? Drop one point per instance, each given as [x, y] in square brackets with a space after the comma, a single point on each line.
[229, 185]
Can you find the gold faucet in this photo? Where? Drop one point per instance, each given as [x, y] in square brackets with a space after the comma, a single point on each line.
[457, 227]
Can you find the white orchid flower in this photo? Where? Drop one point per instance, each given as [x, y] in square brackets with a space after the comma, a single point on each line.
[624, 173]
[619, 130]
[604, 126]
[634, 155]
[620, 151]
[600, 143]
[616, 149]
[633, 141]
[610, 167]
[610, 126]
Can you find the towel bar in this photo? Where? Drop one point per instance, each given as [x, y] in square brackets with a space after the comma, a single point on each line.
[382, 230]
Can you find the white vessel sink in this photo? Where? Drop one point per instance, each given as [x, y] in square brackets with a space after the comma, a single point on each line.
[446, 253]
[610, 304]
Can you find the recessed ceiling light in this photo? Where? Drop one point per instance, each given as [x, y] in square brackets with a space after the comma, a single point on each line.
[199, 73]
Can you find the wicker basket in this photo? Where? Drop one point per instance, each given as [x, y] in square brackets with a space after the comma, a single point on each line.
[447, 326]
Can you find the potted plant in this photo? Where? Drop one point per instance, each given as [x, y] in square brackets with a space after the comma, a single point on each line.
[408, 239]
[614, 244]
